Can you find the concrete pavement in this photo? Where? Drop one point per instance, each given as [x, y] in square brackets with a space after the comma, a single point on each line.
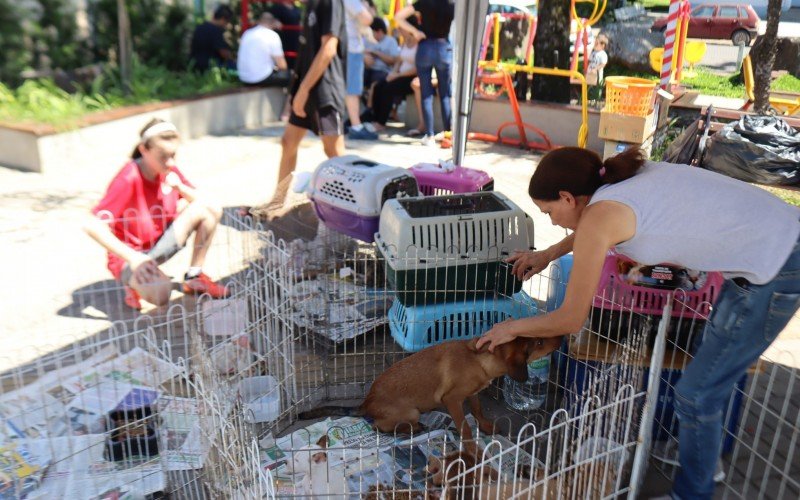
[47, 258]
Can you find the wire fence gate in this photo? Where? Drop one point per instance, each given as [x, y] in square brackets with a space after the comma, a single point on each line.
[203, 399]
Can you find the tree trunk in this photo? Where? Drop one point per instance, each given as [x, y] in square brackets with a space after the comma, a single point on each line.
[125, 46]
[551, 50]
[763, 57]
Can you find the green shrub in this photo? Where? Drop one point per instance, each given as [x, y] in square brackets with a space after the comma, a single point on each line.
[14, 55]
[160, 31]
[41, 101]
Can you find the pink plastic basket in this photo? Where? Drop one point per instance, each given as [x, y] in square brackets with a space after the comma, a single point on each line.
[435, 181]
[645, 289]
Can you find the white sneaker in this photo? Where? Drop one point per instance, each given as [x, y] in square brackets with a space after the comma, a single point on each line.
[427, 141]
[667, 452]
[439, 137]
[369, 126]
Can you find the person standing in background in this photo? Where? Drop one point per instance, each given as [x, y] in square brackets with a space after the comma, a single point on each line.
[209, 45]
[318, 87]
[358, 17]
[434, 51]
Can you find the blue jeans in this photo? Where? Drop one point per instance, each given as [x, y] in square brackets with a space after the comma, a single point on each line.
[745, 321]
[354, 80]
[438, 54]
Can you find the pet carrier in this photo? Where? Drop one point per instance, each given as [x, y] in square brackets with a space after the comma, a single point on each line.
[348, 193]
[645, 290]
[447, 248]
[438, 179]
[418, 327]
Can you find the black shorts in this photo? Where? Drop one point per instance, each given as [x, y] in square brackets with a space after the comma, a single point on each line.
[324, 121]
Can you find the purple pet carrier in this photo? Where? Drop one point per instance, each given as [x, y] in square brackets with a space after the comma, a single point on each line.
[348, 193]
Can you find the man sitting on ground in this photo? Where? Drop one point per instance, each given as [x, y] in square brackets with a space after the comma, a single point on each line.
[260, 53]
[209, 45]
[379, 56]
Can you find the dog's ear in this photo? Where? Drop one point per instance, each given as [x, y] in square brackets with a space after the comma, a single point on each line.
[515, 357]
[319, 457]
[472, 345]
[323, 441]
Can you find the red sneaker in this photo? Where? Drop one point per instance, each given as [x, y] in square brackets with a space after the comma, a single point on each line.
[132, 299]
[202, 284]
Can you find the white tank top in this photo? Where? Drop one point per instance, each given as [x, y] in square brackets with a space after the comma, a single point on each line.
[705, 221]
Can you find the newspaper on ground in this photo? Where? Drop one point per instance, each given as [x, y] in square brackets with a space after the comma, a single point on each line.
[184, 445]
[79, 469]
[136, 367]
[339, 309]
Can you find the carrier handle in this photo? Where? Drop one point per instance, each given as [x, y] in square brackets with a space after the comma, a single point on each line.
[452, 203]
[364, 163]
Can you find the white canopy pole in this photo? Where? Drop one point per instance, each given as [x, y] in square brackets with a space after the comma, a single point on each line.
[470, 21]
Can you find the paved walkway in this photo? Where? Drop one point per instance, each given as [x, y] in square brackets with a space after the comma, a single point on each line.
[46, 257]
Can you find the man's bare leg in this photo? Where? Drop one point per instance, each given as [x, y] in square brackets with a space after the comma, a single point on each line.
[290, 143]
[333, 145]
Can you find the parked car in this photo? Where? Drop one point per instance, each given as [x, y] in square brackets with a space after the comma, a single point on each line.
[760, 6]
[738, 23]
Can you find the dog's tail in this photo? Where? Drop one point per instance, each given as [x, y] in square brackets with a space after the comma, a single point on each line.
[331, 411]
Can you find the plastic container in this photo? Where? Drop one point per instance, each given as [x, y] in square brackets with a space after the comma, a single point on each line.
[415, 328]
[448, 248]
[261, 399]
[434, 180]
[530, 395]
[560, 270]
[629, 96]
[349, 191]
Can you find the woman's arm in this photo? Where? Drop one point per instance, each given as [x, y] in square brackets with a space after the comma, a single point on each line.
[527, 263]
[401, 19]
[601, 227]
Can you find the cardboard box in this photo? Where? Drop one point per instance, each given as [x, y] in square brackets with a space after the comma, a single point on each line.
[626, 128]
[612, 148]
[663, 100]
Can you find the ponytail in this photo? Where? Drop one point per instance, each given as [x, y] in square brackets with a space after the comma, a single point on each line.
[581, 172]
[623, 166]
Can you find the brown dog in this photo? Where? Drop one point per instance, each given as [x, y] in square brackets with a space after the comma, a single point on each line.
[446, 375]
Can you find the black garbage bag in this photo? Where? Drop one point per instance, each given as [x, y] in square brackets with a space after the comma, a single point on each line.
[763, 149]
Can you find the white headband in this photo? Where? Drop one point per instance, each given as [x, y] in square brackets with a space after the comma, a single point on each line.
[158, 129]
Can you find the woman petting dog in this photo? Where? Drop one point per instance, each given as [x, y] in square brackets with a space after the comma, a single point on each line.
[660, 212]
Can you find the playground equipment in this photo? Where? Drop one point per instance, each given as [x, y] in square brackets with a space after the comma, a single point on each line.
[492, 32]
[694, 54]
[677, 27]
[785, 103]
[584, 27]
[502, 76]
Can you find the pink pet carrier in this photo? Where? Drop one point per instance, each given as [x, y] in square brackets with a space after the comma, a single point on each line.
[438, 180]
[625, 284]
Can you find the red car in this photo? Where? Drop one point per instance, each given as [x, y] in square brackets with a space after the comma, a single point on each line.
[737, 23]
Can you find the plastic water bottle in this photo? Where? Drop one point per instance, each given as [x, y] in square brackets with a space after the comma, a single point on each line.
[531, 394]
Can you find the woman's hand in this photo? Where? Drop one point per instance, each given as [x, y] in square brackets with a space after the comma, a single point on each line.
[418, 35]
[391, 76]
[526, 264]
[500, 334]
